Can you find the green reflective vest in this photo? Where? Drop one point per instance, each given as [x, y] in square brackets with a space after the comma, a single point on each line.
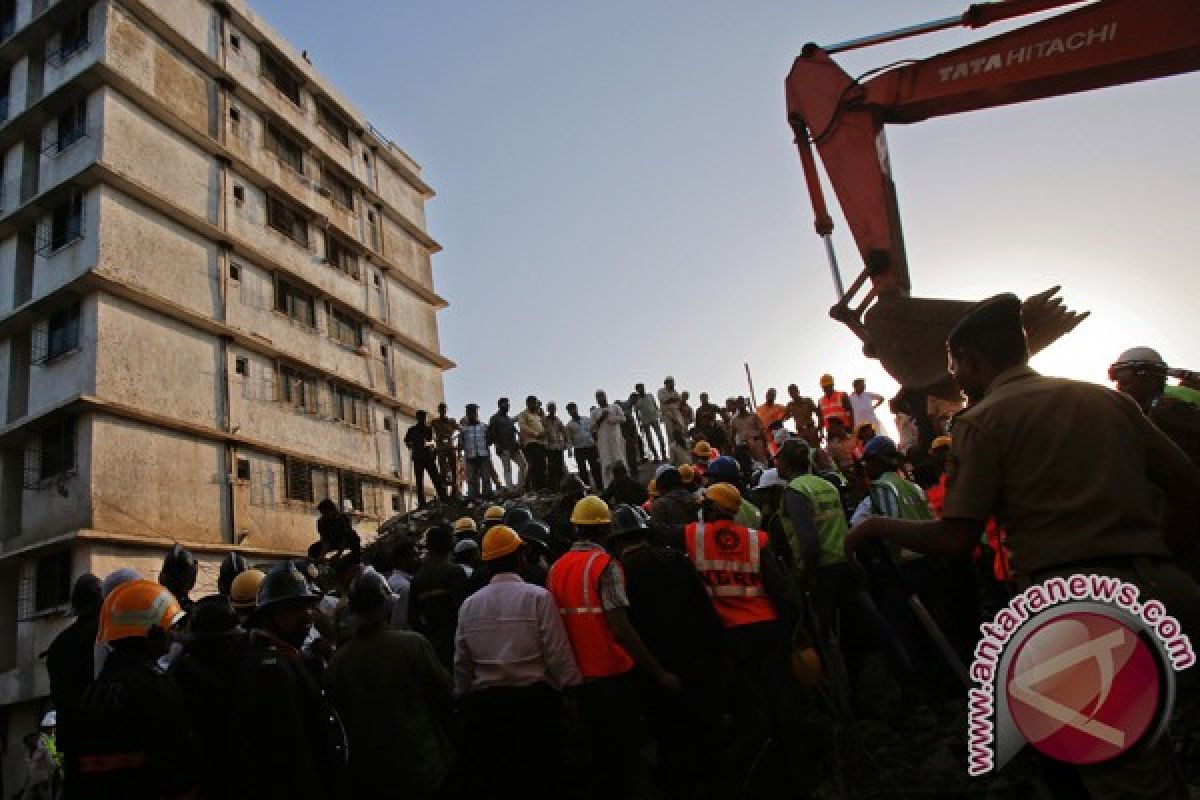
[909, 497]
[827, 515]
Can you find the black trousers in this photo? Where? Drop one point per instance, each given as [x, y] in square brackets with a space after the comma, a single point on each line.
[494, 720]
[608, 712]
[535, 456]
[588, 461]
[422, 466]
[555, 468]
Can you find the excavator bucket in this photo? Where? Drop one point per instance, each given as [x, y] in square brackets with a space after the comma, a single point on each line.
[908, 334]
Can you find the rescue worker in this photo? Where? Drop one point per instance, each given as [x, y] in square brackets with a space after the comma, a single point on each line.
[726, 470]
[1141, 373]
[69, 666]
[134, 736]
[770, 411]
[394, 699]
[232, 565]
[589, 587]
[445, 429]
[1012, 448]
[287, 738]
[494, 515]
[243, 593]
[671, 612]
[178, 573]
[833, 405]
[752, 597]
[512, 662]
[436, 592]
[675, 505]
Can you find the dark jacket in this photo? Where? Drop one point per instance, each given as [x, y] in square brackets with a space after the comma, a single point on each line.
[436, 593]
[676, 507]
[502, 432]
[70, 662]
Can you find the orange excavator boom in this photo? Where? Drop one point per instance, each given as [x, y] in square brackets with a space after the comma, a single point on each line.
[1104, 43]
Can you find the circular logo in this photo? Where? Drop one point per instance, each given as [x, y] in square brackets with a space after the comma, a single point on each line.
[1084, 688]
[727, 540]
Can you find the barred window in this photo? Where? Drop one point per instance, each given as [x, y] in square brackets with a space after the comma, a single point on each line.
[299, 480]
[295, 302]
[281, 77]
[72, 126]
[288, 221]
[333, 123]
[52, 455]
[350, 407]
[339, 255]
[59, 336]
[339, 190]
[352, 489]
[73, 39]
[63, 226]
[344, 327]
[285, 148]
[298, 389]
[52, 586]
[373, 231]
[8, 18]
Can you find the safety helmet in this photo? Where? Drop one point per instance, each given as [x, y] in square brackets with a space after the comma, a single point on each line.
[283, 583]
[724, 469]
[134, 608]
[572, 485]
[464, 546]
[369, 593]
[940, 442]
[702, 450]
[465, 525]
[493, 514]
[626, 519]
[826, 380]
[1144, 359]
[499, 542]
[50, 720]
[881, 447]
[516, 517]
[232, 565]
[179, 570]
[769, 479]
[724, 496]
[591, 510]
[243, 592]
[535, 531]
[687, 473]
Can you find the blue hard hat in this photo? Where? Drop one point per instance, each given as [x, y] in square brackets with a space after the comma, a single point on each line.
[724, 469]
[881, 447]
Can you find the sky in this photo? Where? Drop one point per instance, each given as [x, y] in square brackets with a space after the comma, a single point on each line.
[619, 197]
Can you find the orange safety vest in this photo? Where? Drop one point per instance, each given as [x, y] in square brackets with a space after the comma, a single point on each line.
[833, 406]
[574, 582]
[727, 556]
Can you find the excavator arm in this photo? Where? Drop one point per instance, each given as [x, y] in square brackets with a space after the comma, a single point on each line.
[1104, 43]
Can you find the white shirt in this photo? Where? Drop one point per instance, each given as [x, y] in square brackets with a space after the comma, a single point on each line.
[864, 408]
[510, 633]
[400, 582]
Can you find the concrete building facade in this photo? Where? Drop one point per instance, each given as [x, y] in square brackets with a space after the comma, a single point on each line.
[216, 305]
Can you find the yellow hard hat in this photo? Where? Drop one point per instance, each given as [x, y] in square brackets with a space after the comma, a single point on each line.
[591, 510]
[724, 496]
[499, 541]
[702, 450]
[467, 525]
[827, 379]
[493, 514]
[243, 592]
[941, 441]
[652, 488]
[134, 607]
[687, 474]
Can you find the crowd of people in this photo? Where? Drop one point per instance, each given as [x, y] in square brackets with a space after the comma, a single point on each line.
[659, 639]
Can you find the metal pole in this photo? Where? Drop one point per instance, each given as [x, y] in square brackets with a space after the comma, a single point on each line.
[749, 380]
[833, 266]
[891, 36]
[943, 644]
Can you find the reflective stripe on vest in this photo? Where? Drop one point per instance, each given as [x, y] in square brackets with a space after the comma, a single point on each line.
[587, 607]
[734, 584]
[573, 584]
[832, 408]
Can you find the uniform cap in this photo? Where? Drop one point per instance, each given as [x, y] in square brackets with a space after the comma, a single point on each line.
[827, 379]
[591, 510]
[702, 450]
[881, 447]
[1140, 357]
[723, 469]
[465, 525]
[517, 517]
[243, 592]
[493, 514]
[134, 608]
[499, 542]
[990, 320]
[941, 441]
[724, 496]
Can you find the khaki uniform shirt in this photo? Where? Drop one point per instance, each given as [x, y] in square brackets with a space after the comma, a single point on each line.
[1064, 466]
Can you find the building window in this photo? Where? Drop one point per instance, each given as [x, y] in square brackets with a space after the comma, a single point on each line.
[383, 351]
[352, 489]
[281, 78]
[288, 221]
[299, 480]
[243, 469]
[339, 255]
[333, 123]
[52, 585]
[64, 225]
[72, 39]
[235, 114]
[285, 148]
[53, 456]
[235, 41]
[239, 194]
[373, 231]
[235, 272]
[59, 335]
[395, 502]
[241, 366]
[349, 407]
[337, 189]
[296, 303]
[344, 327]
[8, 18]
[5, 84]
[71, 127]
[297, 389]
[387, 423]
[378, 279]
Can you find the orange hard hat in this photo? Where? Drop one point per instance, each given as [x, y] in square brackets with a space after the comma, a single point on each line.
[827, 380]
[702, 450]
[500, 541]
[134, 608]
[687, 473]
[724, 496]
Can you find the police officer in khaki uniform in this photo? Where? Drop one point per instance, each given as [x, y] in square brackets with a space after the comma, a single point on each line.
[1081, 481]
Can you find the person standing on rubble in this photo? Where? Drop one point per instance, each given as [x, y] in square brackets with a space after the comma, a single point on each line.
[417, 438]
[445, 429]
[557, 442]
[1133, 518]
[607, 419]
[582, 437]
[533, 441]
[670, 404]
[502, 432]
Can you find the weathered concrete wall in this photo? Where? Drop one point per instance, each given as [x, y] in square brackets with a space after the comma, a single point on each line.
[57, 165]
[412, 315]
[406, 254]
[418, 382]
[400, 194]
[57, 74]
[63, 504]
[196, 22]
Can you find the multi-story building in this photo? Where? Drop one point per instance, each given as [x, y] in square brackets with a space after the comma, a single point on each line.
[216, 305]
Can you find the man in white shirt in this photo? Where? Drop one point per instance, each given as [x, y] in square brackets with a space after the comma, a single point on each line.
[404, 566]
[864, 404]
[512, 659]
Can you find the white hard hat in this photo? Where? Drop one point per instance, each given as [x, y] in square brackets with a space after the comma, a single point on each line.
[769, 479]
[465, 545]
[50, 720]
[1140, 356]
